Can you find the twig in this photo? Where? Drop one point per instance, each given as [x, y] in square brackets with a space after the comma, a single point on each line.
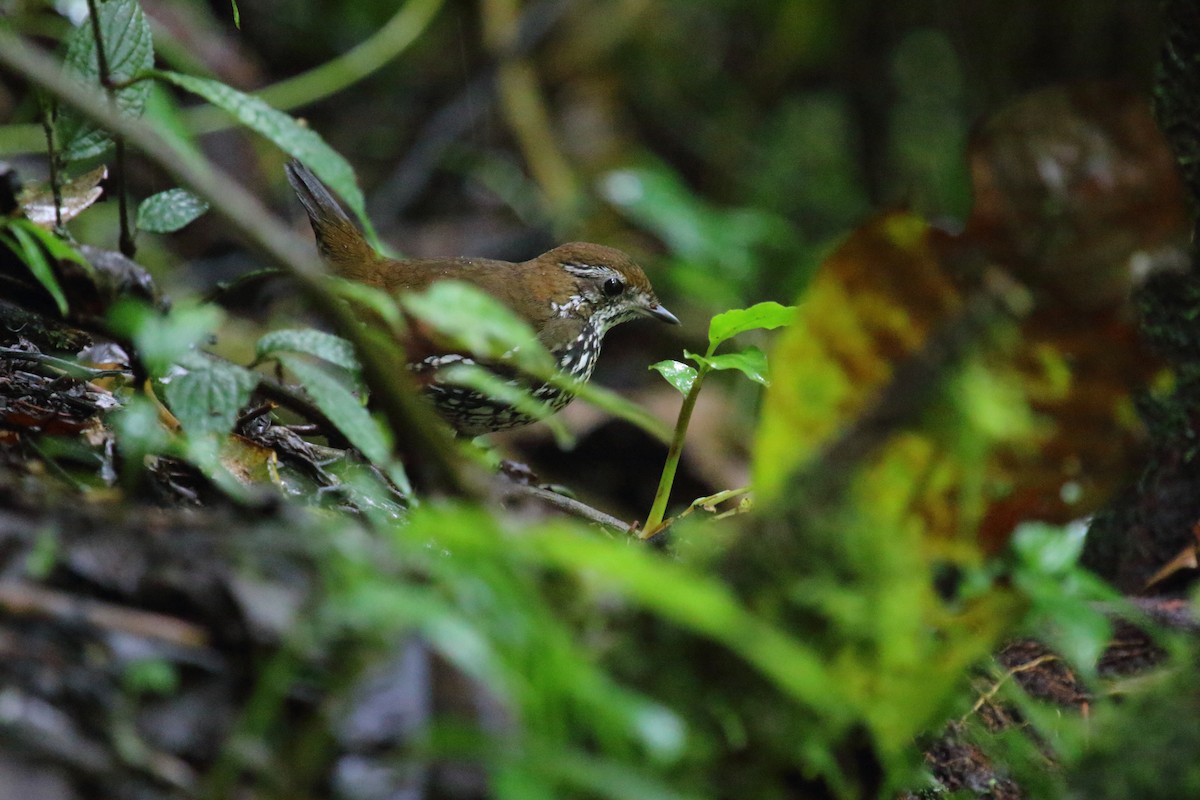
[571, 506]
[1007, 676]
[52, 161]
[22, 597]
[62, 365]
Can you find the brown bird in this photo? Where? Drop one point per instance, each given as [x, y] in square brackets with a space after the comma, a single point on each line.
[570, 296]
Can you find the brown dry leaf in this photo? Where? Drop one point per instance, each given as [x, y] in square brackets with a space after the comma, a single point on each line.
[37, 201]
[1187, 558]
[249, 462]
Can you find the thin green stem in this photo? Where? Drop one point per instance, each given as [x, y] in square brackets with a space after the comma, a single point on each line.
[659, 509]
[53, 160]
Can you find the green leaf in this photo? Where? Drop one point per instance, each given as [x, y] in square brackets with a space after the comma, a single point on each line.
[167, 212]
[288, 134]
[163, 339]
[479, 323]
[237, 15]
[325, 346]
[1063, 596]
[766, 316]
[751, 362]
[206, 393]
[373, 300]
[25, 245]
[697, 602]
[58, 248]
[481, 379]
[678, 374]
[129, 50]
[341, 407]
[154, 676]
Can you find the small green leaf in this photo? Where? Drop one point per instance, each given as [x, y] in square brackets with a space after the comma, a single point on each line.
[678, 374]
[751, 362]
[163, 339]
[766, 316]
[25, 245]
[206, 393]
[150, 676]
[1048, 549]
[129, 50]
[373, 300]
[1063, 596]
[287, 133]
[341, 407]
[237, 15]
[167, 212]
[325, 346]
[58, 248]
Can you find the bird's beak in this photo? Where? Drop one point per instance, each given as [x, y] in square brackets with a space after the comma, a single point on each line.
[658, 312]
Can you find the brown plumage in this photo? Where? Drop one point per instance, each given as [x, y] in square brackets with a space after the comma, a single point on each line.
[570, 296]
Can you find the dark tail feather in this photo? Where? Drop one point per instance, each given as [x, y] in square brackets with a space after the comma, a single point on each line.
[338, 239]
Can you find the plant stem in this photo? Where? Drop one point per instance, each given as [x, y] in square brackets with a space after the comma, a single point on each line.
[126, 245]
[658, 510]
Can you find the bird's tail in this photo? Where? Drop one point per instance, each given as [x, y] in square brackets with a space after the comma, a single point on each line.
[339, 240]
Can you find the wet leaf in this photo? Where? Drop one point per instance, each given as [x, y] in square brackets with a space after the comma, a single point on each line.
[284, 131]
[169, 211]
[751, 362]
[130, 52]
[341, 407]
[325, 346]
[763, 316]
[676, 373]
[206, 393]
[1035, 422]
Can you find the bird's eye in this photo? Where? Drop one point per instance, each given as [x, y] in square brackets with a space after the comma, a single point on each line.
[613, 287]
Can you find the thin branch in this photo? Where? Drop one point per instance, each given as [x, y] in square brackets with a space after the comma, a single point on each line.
[23, 598]
[571, 506]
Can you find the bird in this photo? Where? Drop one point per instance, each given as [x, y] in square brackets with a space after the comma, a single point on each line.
[570, 296]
